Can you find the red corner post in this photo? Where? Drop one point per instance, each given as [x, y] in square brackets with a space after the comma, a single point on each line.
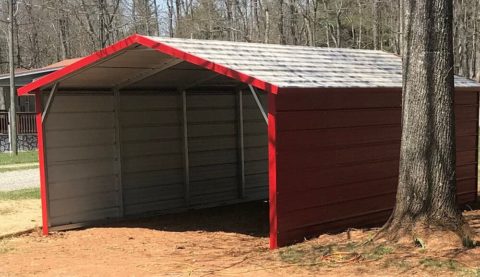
[41, 161]
[272, 168]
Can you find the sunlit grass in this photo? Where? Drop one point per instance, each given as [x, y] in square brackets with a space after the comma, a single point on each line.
[21, 194]
[22, 157]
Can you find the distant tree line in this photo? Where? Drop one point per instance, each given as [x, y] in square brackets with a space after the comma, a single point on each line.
[51, 30]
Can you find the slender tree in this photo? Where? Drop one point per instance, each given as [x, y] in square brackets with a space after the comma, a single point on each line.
[426, 201]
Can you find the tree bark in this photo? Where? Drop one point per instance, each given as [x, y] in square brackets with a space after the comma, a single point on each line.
[267, 26]
[281, 26]
[426, 194]
[360, 23]
[375, 24]
[157, 19]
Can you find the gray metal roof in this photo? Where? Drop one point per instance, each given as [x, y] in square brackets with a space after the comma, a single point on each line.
[27, 76]
[299, 66]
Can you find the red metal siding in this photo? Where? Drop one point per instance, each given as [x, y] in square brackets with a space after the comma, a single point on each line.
[337, 158]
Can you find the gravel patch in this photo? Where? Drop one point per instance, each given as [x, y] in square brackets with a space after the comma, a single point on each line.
[19, 179]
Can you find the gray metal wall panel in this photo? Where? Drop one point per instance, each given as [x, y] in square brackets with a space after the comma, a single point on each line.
[213, 172]
[152, 158]
[79, 132]
[256, 148]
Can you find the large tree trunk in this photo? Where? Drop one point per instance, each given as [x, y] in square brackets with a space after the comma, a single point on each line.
[426, 195]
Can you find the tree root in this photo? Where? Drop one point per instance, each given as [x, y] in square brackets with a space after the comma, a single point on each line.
[426, 233]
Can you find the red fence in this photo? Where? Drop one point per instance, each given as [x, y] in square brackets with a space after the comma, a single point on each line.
[25, 123]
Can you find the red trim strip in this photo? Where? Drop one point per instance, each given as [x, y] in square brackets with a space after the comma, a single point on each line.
[54, 76]
[41, 161]
[272, 169]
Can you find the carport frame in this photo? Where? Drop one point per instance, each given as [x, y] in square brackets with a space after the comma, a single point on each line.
[118, 48]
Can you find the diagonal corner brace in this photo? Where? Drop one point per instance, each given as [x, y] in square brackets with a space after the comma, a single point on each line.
[259, 104]
[53, 91]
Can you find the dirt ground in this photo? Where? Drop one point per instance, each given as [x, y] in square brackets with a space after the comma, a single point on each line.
[227, 241]
[19, 215]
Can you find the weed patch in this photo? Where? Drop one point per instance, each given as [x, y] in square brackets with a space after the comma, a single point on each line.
[378, 252]
[292, 255]
[450, 265]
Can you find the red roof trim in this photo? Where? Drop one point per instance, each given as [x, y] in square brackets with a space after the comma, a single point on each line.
[145, 41]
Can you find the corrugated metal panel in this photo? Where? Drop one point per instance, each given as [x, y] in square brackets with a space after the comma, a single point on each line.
[79, 152]
[300, 66]
[345, 156]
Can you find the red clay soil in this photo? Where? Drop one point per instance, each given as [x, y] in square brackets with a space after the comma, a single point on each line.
[227, 241]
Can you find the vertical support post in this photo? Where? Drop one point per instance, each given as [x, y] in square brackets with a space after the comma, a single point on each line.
[241, 144]
[118, 153]
[272, 170]
[13, 91]
[42, 163]
[186, 162]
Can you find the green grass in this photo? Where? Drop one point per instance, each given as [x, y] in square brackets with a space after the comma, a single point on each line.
[436, 263]
[22, 157]
[21, 194]
[378, 252]
[19, 167]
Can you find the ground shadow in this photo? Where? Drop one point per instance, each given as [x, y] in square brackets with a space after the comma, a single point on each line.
[249, 218]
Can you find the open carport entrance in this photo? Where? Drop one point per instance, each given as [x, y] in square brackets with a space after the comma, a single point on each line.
[151, 141]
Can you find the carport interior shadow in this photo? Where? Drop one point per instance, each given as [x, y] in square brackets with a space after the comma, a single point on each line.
[249, 218]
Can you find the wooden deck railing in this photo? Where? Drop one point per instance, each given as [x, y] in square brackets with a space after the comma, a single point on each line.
[25, 123]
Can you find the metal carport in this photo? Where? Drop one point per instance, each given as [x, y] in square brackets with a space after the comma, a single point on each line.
[160, 125]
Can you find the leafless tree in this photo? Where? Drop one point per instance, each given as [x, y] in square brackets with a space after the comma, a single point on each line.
[426, 196]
